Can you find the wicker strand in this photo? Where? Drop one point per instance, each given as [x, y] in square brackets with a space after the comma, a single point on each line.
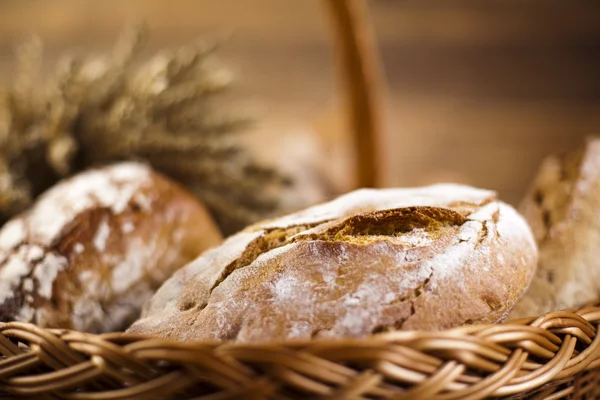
[554, 356]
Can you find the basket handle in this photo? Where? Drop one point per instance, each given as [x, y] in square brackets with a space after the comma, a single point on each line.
[358, 66]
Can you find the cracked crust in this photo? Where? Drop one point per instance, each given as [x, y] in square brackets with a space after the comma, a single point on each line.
[95, 247]
[562, 210]
[370, 261]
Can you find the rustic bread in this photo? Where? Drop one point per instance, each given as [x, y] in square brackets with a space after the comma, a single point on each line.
[372, 260]
[95, 247]
[563, 210]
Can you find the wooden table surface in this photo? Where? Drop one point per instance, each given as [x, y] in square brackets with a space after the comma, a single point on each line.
[478, 91]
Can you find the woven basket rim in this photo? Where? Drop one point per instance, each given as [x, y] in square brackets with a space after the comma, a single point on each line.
[544, 356]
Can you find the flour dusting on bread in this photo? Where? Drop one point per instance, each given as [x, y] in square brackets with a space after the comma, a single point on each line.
[114, 189]
[11, 273]
[46, 271]
[96, 246]
[12, 234]
[372, 260]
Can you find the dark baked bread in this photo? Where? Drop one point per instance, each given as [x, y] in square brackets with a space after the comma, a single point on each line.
[95, 247]
[563, 209]
[425, 258]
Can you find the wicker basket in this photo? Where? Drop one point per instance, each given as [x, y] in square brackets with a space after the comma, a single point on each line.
[554, 356]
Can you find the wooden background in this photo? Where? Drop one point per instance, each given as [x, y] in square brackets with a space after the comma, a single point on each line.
[478, 91]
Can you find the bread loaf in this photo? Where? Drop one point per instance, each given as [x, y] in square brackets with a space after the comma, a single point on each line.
[563, 210]
[372, 260]
[95, 247]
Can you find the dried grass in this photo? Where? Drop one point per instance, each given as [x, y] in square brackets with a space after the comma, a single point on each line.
[102, 108]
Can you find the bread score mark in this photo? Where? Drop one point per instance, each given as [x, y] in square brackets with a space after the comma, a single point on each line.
[270, 240]
[429, 223]
[410, 227]
[432, 222]
[364, 229]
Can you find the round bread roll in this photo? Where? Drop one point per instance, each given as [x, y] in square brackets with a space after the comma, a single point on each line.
[563, 210]
[372, 260]
[95, 247]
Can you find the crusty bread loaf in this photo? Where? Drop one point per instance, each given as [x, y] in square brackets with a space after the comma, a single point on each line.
[372, 260]
[563, 210]
[95, 247]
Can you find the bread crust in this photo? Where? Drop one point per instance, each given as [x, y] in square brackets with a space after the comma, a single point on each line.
[96, 246]
[562, 208]
[372, 260]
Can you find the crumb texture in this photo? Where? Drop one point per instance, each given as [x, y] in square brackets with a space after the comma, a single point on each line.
[367, 262]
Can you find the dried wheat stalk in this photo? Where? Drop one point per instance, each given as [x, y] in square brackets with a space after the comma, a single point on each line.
[109, 107]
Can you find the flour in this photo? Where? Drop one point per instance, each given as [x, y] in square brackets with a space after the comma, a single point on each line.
[143, 202]
[46, 272]
[102, 235]
[512, 227]
[34, 253]
[131, 268]
[370, 292]
[78, 248]
[287, 288]
[299, 329]
[91, 281]
[86, 312]
[354, 320]
[112, 187]
[589, 169]
[128, 172]
[19, 265]
[28, 285]
[485, 213]
[418, 237]
[469, 231]
[12, 234]
[127, 227]
[10, 276]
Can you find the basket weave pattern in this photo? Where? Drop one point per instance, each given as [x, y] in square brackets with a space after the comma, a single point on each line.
[555, 356]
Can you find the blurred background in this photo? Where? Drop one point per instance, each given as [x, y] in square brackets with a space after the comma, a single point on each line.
[477, 92]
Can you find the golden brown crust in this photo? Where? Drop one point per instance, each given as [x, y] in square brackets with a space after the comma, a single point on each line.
[373, 260]
[101, 243]
[562, 210]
